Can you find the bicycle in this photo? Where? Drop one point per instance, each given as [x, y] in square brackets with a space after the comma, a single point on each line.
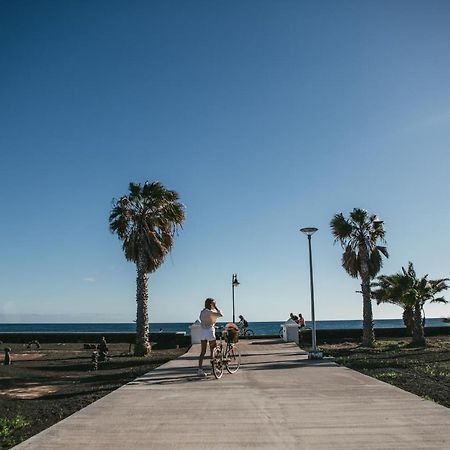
[226, 356]
[246, 332]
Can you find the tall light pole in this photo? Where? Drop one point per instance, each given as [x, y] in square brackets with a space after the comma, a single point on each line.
[234, 283]
[313, 354]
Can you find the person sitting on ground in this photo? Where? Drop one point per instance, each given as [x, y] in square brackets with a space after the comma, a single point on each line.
[301, 320]
[208, 319]
[293, 317]
[103, 350]
[242, 324]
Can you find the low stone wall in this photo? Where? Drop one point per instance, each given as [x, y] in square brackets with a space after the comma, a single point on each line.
[162, 340]
[331, 336]
[172, 340]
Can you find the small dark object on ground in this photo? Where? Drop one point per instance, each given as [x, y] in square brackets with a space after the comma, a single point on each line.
[8, 360]
[35, 343]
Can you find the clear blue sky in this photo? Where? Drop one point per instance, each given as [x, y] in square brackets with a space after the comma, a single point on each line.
[265, 116]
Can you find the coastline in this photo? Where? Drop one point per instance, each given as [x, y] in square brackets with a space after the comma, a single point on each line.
[269, 328]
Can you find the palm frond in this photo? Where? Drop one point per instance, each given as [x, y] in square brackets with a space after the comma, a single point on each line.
[375, 262]
[439, 300]
[350, 261]
[406, 288]
[356, 234]
[146, 221]
[340, 228]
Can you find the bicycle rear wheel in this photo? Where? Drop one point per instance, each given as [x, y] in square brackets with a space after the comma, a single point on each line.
[217, 363]
[232, 359]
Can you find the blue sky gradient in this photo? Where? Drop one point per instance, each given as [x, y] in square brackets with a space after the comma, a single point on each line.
[265, 116]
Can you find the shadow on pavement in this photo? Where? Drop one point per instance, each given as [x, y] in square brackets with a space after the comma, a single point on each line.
[169, 380]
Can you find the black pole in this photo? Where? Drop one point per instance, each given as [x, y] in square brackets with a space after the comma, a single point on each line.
[313, 318]
[232, 289]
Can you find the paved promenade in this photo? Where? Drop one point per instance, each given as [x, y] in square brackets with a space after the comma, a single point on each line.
[277, 400]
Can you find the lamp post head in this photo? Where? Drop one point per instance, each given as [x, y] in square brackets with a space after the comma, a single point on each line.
[377, 221]
[309, 231]
[235, 281]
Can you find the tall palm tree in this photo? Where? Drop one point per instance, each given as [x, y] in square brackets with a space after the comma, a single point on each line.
[406, 289]
[146, 221]
[359, 235]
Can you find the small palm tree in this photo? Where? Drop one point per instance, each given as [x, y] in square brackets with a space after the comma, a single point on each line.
[359, 236]
[146, 221]
[380, 289]
[407, 290]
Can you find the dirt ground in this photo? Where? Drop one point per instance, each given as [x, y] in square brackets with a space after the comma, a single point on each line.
[47, 385]
[424, 371]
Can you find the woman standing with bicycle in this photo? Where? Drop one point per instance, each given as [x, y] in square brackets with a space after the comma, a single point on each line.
[208, 319]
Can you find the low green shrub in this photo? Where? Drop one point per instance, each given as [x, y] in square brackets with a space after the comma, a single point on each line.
[390, 375]
[8, 427]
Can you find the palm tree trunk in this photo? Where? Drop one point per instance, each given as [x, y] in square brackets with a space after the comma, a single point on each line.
[142, 347]
[408, 319]
[368, 339]
[418, 337]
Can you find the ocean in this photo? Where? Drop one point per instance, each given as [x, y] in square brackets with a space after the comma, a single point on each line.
[260, 328]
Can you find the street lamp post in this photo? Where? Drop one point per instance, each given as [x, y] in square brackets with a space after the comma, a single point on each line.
[313, 354]
[234, 283]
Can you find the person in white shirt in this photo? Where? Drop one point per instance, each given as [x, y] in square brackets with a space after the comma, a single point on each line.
[208, 319]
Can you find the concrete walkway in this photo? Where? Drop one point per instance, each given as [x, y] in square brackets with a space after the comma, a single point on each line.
[277, 400]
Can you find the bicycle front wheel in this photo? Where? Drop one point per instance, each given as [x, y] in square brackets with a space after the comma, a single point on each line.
[249, 333]
[217, 363]
[232, 359]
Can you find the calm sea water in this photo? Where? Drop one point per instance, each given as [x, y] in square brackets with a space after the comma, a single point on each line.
[260, 328]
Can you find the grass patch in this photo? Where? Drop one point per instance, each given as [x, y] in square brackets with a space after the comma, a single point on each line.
[387, 376]
[8, 428]
[424, 371]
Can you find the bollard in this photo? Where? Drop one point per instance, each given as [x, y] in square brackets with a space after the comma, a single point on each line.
[195, 332]
[290, 331]
[8, 359]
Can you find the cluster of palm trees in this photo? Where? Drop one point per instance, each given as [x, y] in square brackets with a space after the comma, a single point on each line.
[148, 218]
[360, 236]
[407, 290]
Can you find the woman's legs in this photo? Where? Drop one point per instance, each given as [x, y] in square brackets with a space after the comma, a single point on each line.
[204, 344]
[212, 345]
[202, 353]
